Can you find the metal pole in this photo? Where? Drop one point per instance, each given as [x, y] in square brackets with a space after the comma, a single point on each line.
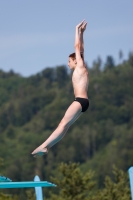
[38, 190]
[130, 171]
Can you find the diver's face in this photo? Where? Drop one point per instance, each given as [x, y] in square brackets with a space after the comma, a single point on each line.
[71, 63]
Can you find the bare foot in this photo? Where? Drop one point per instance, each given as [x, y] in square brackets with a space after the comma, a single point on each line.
[40, 151]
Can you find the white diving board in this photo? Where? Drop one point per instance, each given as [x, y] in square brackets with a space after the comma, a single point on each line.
[26, 184]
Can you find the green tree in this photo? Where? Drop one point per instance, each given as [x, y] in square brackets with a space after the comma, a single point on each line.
[1, 162]
[61, 75]
[131, 58]
[8, 197]
[73, 184]
[109, 64]
[120, 55]
[96, 68]
[49, 73]
[117, 189]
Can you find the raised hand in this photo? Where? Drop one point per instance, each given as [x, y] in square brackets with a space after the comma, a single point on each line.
[80, 24]
[80, 28]
[83, 27]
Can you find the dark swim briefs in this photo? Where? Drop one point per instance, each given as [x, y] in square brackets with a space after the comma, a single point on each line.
[84, 103]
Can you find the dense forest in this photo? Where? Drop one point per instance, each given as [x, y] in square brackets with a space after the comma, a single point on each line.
[31, 108]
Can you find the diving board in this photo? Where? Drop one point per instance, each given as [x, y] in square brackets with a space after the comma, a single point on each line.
[26, 184]
[4, 179]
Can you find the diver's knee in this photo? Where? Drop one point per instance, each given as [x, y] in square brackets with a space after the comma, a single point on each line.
[64, 124]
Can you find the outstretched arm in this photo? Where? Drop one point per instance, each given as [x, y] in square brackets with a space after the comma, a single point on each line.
[81, 31]
[79, 42]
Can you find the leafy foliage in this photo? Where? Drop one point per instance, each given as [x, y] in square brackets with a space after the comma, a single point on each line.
[76, 186]
[73, 185]
[117, 189]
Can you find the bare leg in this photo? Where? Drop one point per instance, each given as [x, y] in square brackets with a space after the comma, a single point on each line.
[71, 115]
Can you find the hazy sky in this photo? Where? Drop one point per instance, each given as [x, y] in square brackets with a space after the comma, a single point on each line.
[35, 34]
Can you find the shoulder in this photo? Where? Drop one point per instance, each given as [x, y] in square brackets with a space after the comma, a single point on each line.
[81, 64]
[81, 69]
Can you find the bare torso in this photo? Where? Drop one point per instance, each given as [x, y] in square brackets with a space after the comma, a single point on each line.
[80, 82]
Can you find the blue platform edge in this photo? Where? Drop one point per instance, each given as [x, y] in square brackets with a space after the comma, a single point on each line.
[26, 184]
[4, 179]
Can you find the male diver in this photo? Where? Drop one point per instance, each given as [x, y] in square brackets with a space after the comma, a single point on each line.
[80, 81]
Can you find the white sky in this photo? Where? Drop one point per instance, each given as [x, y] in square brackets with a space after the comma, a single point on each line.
[35, 34]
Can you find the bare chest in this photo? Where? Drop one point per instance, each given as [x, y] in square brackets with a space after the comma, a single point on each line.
[79, 77]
